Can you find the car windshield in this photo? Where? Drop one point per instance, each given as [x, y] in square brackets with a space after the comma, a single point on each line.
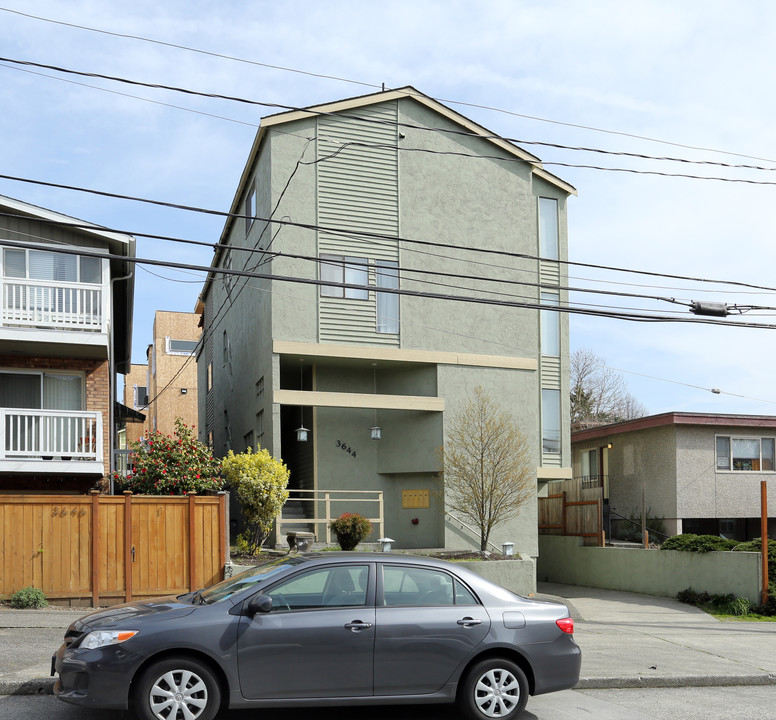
[247, 578]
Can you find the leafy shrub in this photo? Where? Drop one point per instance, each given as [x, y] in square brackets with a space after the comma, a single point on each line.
[698, 543]
[29, 597]
[351, 529]
[261, 483]
[171, 465]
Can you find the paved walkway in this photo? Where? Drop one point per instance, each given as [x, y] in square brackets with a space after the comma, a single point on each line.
[632, 640]
[627, 640]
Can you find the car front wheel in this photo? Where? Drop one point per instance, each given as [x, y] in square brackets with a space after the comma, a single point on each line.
[177, 689]
[493, 688]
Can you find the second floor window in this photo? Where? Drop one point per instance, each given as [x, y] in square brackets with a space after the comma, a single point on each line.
[45, 265]
[548, 228]
[339, 269]
[387, 276]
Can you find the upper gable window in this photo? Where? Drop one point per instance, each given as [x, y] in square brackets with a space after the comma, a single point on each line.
[250, 207]
[548, 229]
[350, 270]
[46, 265]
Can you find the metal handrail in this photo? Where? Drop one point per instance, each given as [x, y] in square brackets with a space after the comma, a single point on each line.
[324, 518]
[463, 525]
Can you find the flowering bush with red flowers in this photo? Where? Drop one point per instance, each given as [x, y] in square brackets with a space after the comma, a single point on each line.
[171, 465]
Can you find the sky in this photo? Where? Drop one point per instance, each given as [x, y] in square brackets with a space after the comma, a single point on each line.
[690, 80]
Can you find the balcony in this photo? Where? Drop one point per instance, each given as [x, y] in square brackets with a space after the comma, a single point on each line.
[51, 441]
[52, 305]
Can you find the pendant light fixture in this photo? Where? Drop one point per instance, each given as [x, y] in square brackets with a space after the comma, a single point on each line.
[375, 430]
[301, 431]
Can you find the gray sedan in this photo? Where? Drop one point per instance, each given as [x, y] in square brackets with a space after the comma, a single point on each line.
[323, 629]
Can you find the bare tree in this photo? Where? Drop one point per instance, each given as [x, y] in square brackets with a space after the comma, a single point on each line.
[485, 465]
[599, 395]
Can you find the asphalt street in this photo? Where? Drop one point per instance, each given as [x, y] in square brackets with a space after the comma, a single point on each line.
[725, 703]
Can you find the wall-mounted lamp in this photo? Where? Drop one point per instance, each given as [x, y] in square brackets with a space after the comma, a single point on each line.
[609, 446]
[301, 431]
[376, 431]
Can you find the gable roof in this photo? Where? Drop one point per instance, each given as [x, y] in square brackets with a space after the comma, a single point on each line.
[674, 418]
[341, 107]
[117, 244]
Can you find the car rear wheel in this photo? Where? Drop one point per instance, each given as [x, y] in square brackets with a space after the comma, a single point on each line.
[493, 688]
[177, 689]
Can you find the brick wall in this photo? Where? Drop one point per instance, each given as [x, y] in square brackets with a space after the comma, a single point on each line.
[97, 391]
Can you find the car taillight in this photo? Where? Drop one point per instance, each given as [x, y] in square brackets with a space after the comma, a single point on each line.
[566, 624]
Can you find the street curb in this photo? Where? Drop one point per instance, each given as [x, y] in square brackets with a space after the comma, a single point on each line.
[30, 683]
[26, 683]
[658, 681]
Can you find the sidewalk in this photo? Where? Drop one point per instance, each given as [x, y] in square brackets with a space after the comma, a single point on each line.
[630, 640]
[627, 640]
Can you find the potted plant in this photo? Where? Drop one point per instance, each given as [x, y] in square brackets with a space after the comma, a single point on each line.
[350, 529]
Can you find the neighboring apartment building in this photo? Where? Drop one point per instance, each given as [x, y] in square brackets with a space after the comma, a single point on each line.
[366, 346]
[65, 331]
[700, 472]
[166, 387]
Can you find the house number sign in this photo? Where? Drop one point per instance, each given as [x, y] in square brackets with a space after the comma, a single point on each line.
[342, 445]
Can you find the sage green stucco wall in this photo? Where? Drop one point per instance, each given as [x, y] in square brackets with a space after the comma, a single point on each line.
[463, 201]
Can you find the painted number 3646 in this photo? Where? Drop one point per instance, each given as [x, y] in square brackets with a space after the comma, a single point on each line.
[344, 446]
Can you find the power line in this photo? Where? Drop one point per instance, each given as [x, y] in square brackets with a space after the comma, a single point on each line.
[376, 86]
[270, 254]
[449, 131]
[396, 291]
[364, 235]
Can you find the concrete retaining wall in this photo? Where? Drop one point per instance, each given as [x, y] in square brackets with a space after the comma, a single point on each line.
[653, 572]
[517, 575]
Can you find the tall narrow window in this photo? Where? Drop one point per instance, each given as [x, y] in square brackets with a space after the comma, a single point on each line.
[550, 421]
[250, 207]
[548, 228]
[550, 321]
[387, 276]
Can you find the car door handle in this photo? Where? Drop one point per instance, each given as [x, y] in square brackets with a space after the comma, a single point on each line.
[357, 625]
[469, 622]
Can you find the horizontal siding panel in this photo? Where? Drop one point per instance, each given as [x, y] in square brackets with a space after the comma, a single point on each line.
[550, 372]
[551, 460]
[351, 321]
[549, 273]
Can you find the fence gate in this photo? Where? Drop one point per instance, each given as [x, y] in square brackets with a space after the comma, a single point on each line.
[104, 549]
[571, 509]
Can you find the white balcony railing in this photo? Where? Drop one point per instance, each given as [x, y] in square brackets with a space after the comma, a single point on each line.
[49, 434]
[39, 303]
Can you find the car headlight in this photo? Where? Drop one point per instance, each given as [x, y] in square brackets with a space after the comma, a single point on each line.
[100, 638]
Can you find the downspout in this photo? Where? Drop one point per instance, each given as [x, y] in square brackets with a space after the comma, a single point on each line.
[112, 380]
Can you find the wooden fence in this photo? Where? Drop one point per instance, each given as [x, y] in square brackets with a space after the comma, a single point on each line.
[571, 509]
[108, 549]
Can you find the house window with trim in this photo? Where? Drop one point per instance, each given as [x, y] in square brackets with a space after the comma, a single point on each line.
[548, 228]
[338, 269]
[180, 347]
[47, 265]
[746, 454]
[140, 396]
[387, 276]
[550, 421]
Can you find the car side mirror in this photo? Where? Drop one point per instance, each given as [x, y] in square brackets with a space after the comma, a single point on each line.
[258, 604]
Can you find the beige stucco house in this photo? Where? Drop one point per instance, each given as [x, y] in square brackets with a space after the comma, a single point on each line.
[701, 473]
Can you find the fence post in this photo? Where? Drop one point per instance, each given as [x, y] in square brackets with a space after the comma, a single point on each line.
[95, 548]
[223, 525]
[192, 544]
[327, 498]
[563, 515]
[128, 549]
